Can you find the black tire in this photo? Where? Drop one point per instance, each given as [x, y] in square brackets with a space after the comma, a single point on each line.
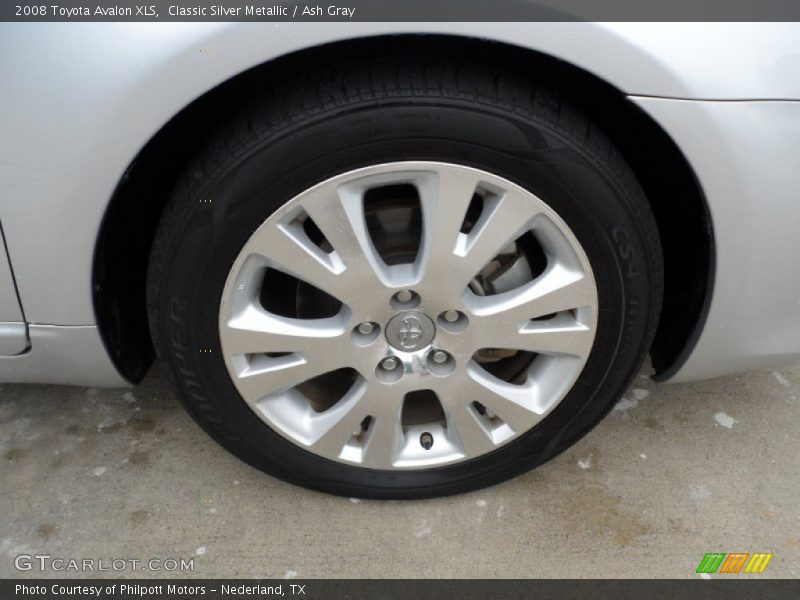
[382, 109]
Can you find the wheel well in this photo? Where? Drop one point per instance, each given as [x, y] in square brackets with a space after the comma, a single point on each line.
[129, 225]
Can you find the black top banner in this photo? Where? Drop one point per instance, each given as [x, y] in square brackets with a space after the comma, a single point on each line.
[401, 10]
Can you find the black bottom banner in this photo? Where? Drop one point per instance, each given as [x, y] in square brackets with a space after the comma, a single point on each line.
[385, 589]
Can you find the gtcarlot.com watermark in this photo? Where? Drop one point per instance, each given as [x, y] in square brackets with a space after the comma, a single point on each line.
[46, 562]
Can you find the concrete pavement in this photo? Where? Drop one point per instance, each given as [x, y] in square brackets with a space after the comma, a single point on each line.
[675, 471]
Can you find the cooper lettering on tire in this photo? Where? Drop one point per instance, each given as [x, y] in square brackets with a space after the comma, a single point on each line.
[405, 289]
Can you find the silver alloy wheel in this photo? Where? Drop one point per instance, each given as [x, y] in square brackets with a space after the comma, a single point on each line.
[418, 325]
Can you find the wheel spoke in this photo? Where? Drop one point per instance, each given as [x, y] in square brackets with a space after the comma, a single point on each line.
[567, 338]
[340, 217]
[278, 374]
[505, 217]
[444, 207]
[473, 438]
[517, 405]
[557, 290]
[255, 330]
[334, 427]
[298, 256]
[561, 336]
[383, 440]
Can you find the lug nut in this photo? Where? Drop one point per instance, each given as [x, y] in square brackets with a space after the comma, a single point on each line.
[439, 356]
[453, 321]
[451, 316]
[404, 296]
[389, 370]
[389, 363]
[366, 328]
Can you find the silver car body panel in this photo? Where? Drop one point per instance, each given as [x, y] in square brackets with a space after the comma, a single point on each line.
[65, 356]
[13, 329]
[81, 100]
[747, 158]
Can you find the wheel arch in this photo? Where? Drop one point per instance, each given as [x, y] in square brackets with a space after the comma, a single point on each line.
[129, 224]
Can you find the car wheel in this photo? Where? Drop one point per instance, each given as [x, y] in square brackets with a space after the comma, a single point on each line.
[409, 277]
